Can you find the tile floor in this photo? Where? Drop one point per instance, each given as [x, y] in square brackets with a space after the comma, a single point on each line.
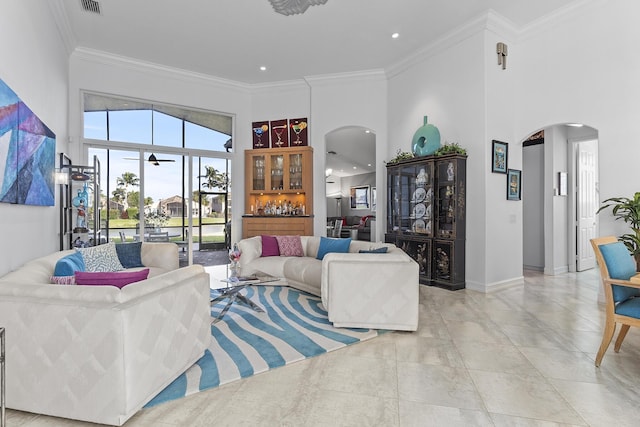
[519, 357]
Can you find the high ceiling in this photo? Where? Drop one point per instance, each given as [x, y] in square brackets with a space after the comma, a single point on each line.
[231, 39]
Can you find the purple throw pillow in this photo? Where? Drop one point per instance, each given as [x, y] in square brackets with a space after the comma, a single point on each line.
[270, 246]
[290, 245]
[118, 279]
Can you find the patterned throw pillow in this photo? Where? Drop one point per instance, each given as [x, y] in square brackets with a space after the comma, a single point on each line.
[290, 245]
[101, 258]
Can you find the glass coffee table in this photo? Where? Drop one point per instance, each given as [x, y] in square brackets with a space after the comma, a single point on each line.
[235, 284]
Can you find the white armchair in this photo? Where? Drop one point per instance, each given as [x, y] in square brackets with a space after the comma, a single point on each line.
[377, 291]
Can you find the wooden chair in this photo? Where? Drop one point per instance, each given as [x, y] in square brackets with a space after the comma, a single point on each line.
[622, 296]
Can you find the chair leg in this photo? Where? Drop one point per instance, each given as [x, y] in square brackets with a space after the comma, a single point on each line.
[623, 333]
[609, 330]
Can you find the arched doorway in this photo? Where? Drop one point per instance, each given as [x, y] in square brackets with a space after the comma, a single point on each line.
[350, 164]
[558, 221]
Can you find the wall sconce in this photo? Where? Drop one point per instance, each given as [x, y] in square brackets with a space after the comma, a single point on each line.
[502, 52]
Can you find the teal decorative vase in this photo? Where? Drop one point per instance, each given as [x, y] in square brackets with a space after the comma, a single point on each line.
[426, 140]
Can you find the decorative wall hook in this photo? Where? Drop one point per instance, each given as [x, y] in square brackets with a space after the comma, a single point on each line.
[502, 52]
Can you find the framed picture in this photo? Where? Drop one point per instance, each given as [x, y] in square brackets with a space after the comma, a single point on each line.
[279, 133]
[514, 184]
[360, 197]
[260, 131]
[373, 198]
[499, 156]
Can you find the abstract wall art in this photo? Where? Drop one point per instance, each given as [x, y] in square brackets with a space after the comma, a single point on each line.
[27, 153]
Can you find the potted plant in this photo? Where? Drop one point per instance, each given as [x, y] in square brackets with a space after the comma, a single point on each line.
[450, 148]
[627, 210]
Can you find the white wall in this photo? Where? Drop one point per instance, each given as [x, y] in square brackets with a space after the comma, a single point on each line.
[584, 68]
[34, 66]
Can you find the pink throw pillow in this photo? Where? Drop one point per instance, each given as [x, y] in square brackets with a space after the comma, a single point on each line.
[270, 246]
[118, 279]
[290, 245]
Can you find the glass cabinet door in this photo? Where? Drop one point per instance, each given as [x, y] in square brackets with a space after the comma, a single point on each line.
[422, 200]
[258, 173]
[277, 172]
[445, 221]
[295, 171]
[407, 184]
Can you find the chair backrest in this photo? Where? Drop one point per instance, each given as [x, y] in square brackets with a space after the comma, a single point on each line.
[337, 228]
[595, 244]
[123, 238]
[158, 236]
[614, 293]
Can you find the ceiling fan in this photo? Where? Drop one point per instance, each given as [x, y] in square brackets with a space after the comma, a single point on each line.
[152, 159]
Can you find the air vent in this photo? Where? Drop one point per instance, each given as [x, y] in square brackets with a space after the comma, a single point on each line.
[90, 6]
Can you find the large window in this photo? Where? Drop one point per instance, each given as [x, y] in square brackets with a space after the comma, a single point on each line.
[145, 151]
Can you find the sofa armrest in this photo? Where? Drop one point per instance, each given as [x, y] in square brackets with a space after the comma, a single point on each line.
[371, 290]
[250, 248]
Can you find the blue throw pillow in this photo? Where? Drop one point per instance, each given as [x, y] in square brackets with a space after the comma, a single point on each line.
[69, 264]
[621, 266]
[129, 254]
[382, 250]
[332, 245]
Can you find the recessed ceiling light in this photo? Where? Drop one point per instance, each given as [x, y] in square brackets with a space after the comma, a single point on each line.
[369, 164]
[355, 167]
[575, 125]
[367, 131]
[395, 35]
[263, 68]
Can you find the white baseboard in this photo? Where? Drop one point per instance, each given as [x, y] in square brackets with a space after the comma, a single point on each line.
[558, 270]
[496, 286]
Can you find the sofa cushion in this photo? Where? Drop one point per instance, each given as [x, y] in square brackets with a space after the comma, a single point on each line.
[118, 279]
[101, 258]
[270, 246]
[304, 270]
[68, 265]
[129, 254]
[328, 245]
[290, 246]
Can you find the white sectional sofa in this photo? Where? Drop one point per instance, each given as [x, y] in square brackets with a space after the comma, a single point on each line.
[368, 290]
[100, 353]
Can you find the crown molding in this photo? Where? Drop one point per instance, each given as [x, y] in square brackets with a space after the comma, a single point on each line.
[565, 13]
[106, 58]
[356, 76]
[59, 13]
[283, 85]
[489, 20]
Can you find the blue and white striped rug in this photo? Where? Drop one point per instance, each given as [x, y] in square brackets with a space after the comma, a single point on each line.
[293, 327]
